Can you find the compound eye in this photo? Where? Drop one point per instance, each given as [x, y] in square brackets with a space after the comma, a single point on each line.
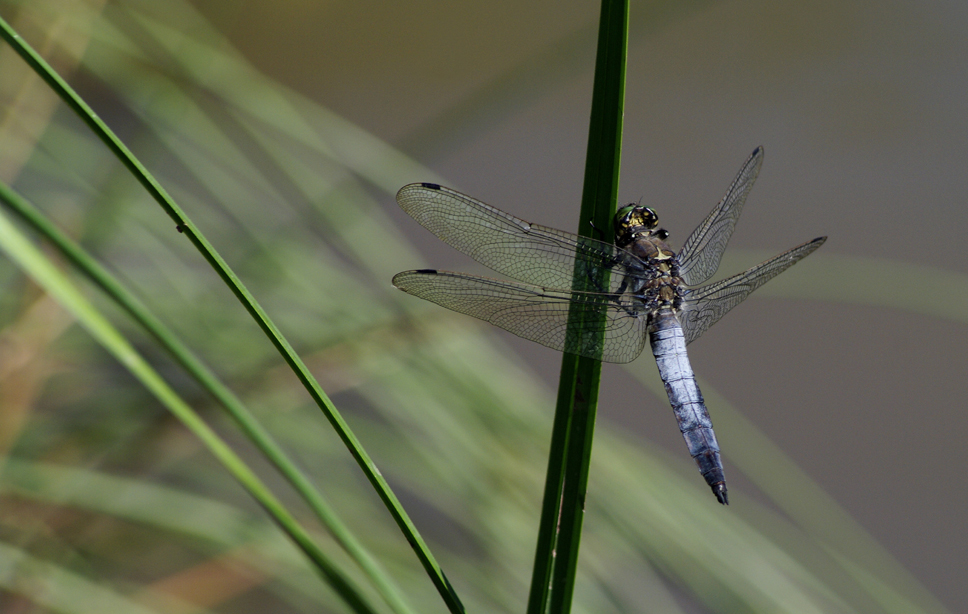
[622, 215]
[623, 218]
[643, 216]
[635, 218]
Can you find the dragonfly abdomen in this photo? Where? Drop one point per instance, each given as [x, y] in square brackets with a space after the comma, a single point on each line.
[669, 348]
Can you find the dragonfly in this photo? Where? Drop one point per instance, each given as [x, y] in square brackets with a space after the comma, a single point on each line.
[597, 299]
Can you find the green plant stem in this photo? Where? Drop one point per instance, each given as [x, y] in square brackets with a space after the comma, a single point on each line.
[556, 556]
[187, 227]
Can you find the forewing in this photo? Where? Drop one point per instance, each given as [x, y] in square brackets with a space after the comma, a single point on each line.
[514, 247]
[703, 307]
[538, 314]
[700, 254]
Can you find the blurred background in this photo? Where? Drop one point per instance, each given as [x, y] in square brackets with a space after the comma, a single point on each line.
[284, 129]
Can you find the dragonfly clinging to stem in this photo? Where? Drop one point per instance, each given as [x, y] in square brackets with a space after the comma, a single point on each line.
[634, 290]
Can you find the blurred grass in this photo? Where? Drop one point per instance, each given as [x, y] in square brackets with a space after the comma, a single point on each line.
[101, 484]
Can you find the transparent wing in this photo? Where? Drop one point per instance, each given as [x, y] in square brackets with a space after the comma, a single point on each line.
[703, 307]
[538, 314]
[700, 254]
[514, 247]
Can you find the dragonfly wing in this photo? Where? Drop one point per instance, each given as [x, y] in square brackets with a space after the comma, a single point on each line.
[700, 254]
[703, 307]
[615, 330]
[511, 246]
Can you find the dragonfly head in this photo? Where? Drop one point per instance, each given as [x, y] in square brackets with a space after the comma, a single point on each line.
[631, 220]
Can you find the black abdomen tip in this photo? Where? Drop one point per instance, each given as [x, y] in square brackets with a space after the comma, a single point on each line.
[720, 491]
